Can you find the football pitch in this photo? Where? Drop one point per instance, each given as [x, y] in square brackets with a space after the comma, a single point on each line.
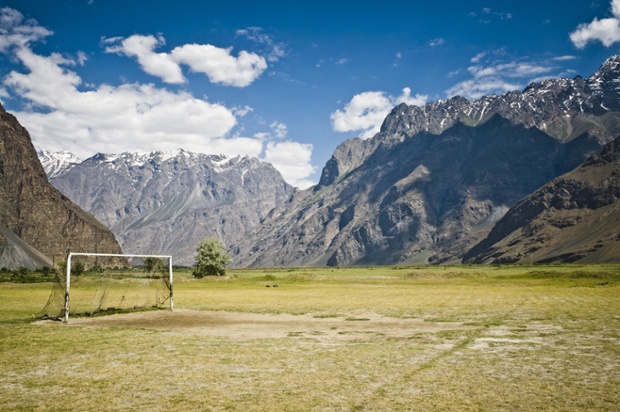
[437, 338]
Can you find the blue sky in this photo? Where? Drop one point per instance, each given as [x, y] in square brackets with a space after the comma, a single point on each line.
[273, 79]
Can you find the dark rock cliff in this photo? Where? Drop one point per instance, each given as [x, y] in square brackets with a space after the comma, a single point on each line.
[36, 212]
[575, 217]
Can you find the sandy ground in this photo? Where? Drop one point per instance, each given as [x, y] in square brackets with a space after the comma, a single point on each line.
[241, 326]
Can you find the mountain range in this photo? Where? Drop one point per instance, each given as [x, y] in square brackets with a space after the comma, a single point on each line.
[427, 188]
[433, 182]
[166, 202]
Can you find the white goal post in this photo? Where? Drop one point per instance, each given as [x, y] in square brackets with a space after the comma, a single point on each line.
[111, 255]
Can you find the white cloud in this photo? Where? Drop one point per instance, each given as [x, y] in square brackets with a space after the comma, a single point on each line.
[490, 13]
[564, 58]
[607, 30]
[218, 64]
[132, 116]
[417, 100]
[491, 74]
[274, 51]
[513, 69]
[242, 111]
[478, 57]
[63, 113]
[142, 47]
[476, 89]
[292, 159]
[17, 32]
[366, 111]
[279, 129]
[82, 58]
[262, 135]
[436, 42]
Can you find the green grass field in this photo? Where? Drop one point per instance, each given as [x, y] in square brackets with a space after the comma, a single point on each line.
[455, 338]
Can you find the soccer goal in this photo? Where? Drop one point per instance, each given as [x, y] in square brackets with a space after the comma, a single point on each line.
[102, 282]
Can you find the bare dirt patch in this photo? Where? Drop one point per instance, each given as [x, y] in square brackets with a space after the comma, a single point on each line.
[242, 326]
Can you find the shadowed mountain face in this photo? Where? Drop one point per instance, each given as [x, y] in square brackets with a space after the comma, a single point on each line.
[427, 197]
[47, 223]
[575, 217]
[436, 178]
[165, 203]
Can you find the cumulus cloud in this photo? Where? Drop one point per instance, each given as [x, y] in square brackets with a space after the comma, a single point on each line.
[136, 117]
[63, 113]
[492, 74]
[405, 97]
[143, 49]
[292, 159]
[366, 111]
[607, 30]
[218, 64]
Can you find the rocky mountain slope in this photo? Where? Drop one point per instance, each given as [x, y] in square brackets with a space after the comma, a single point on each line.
[165, 203]
[35, 218]
[575, 217]
[15, 253]
[436, 178]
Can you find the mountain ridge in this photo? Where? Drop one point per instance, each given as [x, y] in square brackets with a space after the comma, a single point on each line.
[574, 217]
[397, 198]
[429, 186]
[583, 97]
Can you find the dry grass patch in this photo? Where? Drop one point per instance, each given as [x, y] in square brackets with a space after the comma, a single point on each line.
[504, 341]
[249, 326]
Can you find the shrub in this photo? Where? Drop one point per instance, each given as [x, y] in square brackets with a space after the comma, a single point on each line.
[211, 260]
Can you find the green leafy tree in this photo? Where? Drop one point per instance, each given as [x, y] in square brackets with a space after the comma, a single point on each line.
[77, 268]
[211, 259]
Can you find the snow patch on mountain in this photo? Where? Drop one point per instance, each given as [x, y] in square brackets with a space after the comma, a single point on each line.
[56, 163]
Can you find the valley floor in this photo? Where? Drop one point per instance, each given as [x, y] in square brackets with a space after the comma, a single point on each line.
[477, 338]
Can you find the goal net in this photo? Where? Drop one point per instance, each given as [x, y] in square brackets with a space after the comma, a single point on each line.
[91, 283]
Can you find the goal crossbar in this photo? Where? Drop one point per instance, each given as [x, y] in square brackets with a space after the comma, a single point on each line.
[68, 281]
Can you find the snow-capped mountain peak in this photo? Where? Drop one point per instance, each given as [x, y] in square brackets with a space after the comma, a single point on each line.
[56, 163]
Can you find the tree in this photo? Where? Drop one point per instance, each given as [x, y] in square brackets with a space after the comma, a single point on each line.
[211, 260]
[153, 264]
[78, 268]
